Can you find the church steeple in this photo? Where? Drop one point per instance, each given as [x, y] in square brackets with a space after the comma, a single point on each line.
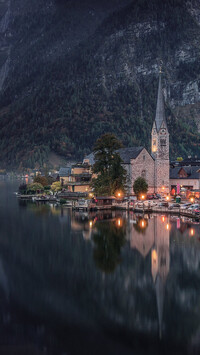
[160, 144]
[160, 108]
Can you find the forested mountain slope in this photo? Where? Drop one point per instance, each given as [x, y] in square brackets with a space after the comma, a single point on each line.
[72, 70]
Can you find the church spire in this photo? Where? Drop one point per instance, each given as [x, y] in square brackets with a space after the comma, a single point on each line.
[160, 292]
[160, 109]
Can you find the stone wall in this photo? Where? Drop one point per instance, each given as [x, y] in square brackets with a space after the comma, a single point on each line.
[143, 166]
[162, 176]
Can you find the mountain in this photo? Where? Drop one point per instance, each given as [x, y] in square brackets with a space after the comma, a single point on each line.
[72, 70]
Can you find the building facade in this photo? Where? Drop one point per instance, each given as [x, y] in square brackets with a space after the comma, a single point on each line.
[77, 178]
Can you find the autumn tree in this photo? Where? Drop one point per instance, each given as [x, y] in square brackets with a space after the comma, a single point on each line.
[41, 180]
[56, 186]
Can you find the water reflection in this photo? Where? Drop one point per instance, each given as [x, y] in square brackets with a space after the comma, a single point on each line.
[108, 238]
[135, 276]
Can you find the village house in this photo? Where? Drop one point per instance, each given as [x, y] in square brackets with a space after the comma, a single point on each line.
[77, 177]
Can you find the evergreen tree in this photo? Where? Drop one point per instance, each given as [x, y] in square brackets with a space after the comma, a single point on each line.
[111, 176]
[140, 186]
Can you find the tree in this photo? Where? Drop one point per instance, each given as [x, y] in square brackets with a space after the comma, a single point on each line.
[23, 188]
[56, 186]
[35, 187]
[41, 180]
[179, 159]
[111, 176]
[140, 186]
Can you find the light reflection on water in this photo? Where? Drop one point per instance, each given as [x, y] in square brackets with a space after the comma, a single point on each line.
[118, 282]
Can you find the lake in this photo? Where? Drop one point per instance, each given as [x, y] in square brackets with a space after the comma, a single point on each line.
[100, 283]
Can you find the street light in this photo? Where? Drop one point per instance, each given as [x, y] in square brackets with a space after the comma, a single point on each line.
[142, 198]
[119, 194]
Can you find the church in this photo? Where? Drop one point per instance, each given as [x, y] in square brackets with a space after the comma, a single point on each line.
[154, 166]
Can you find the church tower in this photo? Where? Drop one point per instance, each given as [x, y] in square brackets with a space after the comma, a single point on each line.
[160, 145]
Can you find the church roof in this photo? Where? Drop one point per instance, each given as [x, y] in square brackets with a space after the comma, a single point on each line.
[126, 154]
[160, 108]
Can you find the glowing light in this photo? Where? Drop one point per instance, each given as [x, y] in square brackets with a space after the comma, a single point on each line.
[119, 222]
[90, 194]
[90, 224]
[119, 194]
[163, 218]
[167, 198]
[154, 256]
[142, 223]
[192, 232]
[192, 199]
[142, 197]
[167, 226]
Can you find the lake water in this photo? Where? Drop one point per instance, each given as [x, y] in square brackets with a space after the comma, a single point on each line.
[106, 283]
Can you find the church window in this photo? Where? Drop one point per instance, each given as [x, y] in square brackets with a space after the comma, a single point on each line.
[163, 142]
[154, 145]
[143, 174]
[143, 157]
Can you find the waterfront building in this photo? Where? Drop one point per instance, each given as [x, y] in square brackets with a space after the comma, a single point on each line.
[77, 177]
[185, 174]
